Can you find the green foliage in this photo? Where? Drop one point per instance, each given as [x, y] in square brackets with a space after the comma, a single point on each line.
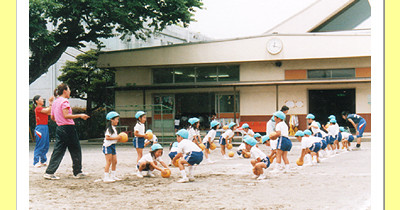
[77, 21]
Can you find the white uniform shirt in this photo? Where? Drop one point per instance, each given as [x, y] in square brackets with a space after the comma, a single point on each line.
[315, 130]
[211, 134]
[186, 146]
[108, 143]
[307, 142]
[154, 139]
[174, 149]
[316, 139]
[283, 128]
[249, 132]
[322, 133]
[346, 135]
[270, 127]
[192, 133]
[228, 134]
[242, 146]
[148, 158]
[333, 130]
[139, 127]
[257, 153]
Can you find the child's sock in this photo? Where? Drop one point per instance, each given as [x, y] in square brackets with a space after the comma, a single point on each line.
[183, 173]
[190, 170]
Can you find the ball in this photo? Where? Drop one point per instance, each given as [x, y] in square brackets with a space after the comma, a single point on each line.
[149, 136]
[176, 163]
[299, 163]
[231, 154]
[225, 127]
[246, 155]
[229, 146]
[213, 146]
[202, 146]
[124, 137]
[273, 136]
[166, 173]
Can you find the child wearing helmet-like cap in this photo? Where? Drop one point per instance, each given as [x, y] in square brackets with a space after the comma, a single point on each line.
[226, 138]
[247, 130]
[260, 161]
[149, 161]
[284, 145]
[152, 141]
[209, 139]
[194, 131]
[333, 133]
[347, 138]
[173, 151]
[138, 140]
[110, 139]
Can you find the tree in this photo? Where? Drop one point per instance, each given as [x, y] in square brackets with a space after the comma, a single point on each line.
[88, 82]
[75, 22]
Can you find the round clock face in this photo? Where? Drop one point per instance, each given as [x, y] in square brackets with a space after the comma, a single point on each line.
[274, 46]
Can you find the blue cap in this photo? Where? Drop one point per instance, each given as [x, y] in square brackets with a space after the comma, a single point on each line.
[149, 131]
[265, 138]
[139, 114]
[319, 125]
[341, 129]
[307, 132]
[156, 147]
[175, 144]
[332, 117]
[111, 115]
[183, 133]
[272, 118]
[231, 124]
[280, 115]
[257, 135]
[310, 116]
[214, 123]
[193, 120]
[250, 141]
[245, 125]
[299, 133]
[332, 121]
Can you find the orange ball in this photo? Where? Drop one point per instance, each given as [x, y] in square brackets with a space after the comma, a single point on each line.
[176, 163]
[213, 146]
[149, 135]
[273, 136]
[124, 137]
[231, 154]
[246, 155]
[299, 163]
[225, 127]
[229, 146]
[202, 146]
[166, 173]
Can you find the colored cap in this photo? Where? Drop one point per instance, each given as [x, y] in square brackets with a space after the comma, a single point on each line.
[111, 115]
[280, 115]
[265, 138]
[250, 141]
[175, 144]
[183, 133]
[193, 120]
[299, 133]
[149, 131]
[272, 118]
[156, 147]
[331, 117]
[307, 132]
[257, 135]
[245, 125]
[139, 114]
[214, 123]
[310, 116]
[332, 121]
[341, 129]
[319, 125]
[231, 124]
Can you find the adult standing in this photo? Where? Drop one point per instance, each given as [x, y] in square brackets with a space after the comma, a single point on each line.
[41, 131]
[358, 123]
[66, 135]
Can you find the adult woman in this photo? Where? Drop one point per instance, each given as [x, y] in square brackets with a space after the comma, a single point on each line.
[41, 131]
[66, 135]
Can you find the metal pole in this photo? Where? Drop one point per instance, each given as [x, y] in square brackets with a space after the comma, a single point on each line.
[162, 124]
[234, 104]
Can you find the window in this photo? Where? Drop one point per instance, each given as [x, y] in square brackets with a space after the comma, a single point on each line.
[196, 74]
[331, 73]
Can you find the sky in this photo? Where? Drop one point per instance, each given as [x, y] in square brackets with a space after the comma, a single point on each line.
[223, 19]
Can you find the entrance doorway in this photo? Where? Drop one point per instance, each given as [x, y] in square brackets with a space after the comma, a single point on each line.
[323, 103]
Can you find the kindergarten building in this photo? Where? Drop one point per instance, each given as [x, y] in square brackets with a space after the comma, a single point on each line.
[318, 61]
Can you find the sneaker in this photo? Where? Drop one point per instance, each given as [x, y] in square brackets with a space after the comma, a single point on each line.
[276, 170]
[108, 180]
[262, 176]
[226, 157]
[37, 165]
[50, 176]
[116, 178]
[139, 174]
[210, 161]
[44, 164]
[183, 180]
[81, 175]
[191, 179]
[150, 174]
[254, 177]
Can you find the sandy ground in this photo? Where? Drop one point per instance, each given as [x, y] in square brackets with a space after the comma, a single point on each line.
[340, 182]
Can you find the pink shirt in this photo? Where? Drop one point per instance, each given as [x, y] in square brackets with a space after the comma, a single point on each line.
[57, 111]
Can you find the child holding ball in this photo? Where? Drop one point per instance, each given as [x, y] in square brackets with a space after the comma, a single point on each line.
[260, 161]
[226, 138]
[111, 138]
[284, 144]
[209, 139]
[138, 141]
[149, 161]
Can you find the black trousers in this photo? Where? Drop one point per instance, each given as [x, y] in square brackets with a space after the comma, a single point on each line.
[66, 137]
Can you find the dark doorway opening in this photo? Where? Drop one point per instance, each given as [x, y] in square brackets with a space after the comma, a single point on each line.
[323, 103]
[201, 105]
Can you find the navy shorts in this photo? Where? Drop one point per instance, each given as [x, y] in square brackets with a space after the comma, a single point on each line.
[147, 168]
[284, 144]
[138, 142]
[207, 144]
[324, 144]
[194, 158]
[361, 127]
[222, 141]
[172, 155]
[351, 138]
[239, 152]
[331, 139]
[339, 138]
[318, 135]
[315, 147]
[266, 161]
[109, 150]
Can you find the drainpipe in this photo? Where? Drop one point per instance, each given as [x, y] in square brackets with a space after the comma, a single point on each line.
[234, 104]
[277, 97]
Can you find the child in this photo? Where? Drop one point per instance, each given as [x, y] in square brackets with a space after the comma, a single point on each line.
[284, 144]
[333, 131]
[313, 125]
[173, 150]
[257, 136]
[309, 145]
[329, 119]
[247, 130]
[226, 138]
[267, 142]
[272, 143]
[111, 138]
[260, 160]
[361, 124]
[346, 138]
[209, 139]
[138, 141]
[152, 141]
[193, 153]
[149, 161]
[194, 132]
[242, 147]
